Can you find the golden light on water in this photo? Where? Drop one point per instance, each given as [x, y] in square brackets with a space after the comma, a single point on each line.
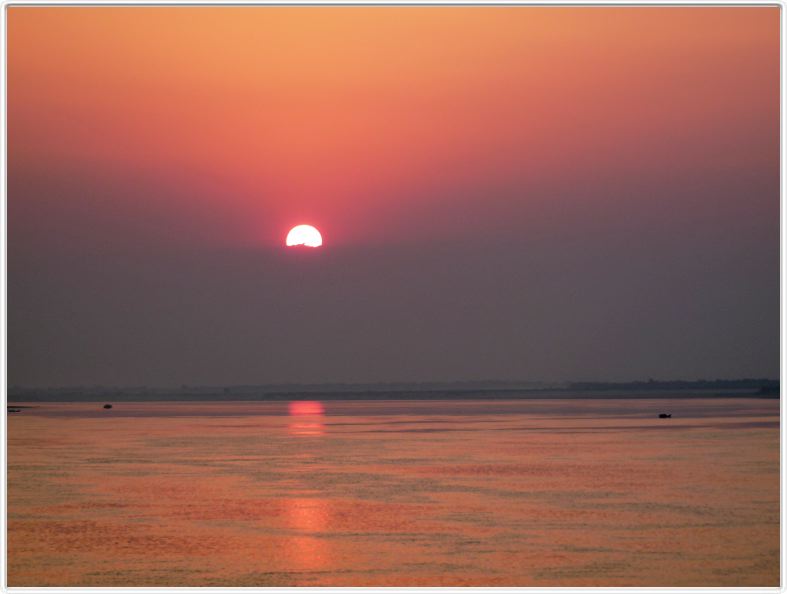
[306, 418]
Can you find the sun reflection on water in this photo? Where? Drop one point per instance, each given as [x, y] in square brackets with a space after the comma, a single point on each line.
[306, 418]
[307, 518]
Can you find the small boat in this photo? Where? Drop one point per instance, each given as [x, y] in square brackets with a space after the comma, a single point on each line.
[107, 406]
[665, 416]
[14, 410]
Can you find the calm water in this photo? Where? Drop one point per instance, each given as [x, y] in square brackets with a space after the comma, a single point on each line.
[503, 493]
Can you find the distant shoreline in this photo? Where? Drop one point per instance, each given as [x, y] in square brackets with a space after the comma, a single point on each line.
[402, 395]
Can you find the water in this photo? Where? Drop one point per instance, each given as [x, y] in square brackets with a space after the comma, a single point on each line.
[417, 493]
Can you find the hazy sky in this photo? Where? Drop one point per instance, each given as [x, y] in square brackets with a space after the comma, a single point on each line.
[504, 193]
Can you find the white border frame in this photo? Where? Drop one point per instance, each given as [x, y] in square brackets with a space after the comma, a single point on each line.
[6, 4]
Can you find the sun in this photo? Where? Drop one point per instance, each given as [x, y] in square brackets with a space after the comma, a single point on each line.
[304, 235]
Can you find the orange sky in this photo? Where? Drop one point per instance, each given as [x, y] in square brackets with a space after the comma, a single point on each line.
[370, 121]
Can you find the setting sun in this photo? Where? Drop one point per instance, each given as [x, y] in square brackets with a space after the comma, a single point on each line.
[304, 235]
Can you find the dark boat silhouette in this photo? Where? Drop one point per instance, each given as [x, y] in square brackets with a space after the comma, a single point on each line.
[14, 410]
[107, 406]
[665, 416]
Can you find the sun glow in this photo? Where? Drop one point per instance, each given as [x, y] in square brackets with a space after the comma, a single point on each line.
[304, 235]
